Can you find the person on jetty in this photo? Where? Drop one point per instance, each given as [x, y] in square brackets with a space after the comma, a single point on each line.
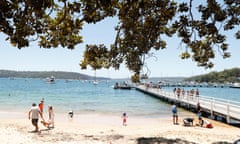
[124, 118]
[175, 114]
[34, 115]
[197, 93]
[50, 121]
[178, 92]
[183, 93]
[41, 105]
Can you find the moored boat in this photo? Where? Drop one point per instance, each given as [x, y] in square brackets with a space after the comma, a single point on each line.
[122, 86]
[235, 85]
[51, 80]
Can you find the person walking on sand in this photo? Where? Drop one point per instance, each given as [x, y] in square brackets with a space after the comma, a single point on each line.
[124, 118]
[34, 115]
[175, 114]
[50, 121]
[41, 105]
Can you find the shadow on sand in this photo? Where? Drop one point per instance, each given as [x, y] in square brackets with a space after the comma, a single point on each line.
[162, 140]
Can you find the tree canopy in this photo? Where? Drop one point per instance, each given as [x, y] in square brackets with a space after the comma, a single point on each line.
[142, 25]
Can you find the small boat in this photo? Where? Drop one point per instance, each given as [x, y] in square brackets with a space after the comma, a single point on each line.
[95, 82]
[235, 85]
[51, 80]
[122, 86]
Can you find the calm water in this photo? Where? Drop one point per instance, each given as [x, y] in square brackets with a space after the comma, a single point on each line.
[85, 97]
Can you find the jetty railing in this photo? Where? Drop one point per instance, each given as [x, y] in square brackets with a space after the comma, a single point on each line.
[215, 106]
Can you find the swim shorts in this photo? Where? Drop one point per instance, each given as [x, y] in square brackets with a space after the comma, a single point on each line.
[34, 121]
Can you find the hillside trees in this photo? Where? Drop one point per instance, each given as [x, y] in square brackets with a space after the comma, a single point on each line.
[229, 75]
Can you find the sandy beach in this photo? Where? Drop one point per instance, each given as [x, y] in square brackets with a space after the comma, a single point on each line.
[15, 128]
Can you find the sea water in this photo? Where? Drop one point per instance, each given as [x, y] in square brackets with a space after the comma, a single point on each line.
[84, 97]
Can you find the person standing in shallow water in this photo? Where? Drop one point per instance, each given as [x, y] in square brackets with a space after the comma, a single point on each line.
[34, 115]
[175, 114]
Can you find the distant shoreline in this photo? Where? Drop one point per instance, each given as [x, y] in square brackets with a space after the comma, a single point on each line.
[45, 74]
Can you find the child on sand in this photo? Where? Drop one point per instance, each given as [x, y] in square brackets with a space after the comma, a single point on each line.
[50, 121]
[124, 117]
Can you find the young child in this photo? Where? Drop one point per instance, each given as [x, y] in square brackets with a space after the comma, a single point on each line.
[50, 118]
[124, 117]
[70, 113]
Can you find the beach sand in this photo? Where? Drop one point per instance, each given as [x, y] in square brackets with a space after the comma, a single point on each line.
[108, 129]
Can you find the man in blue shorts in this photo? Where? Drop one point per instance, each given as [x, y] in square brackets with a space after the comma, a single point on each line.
[174, 113]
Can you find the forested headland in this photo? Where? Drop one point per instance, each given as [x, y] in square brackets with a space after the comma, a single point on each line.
[45, 74]
[225, 76]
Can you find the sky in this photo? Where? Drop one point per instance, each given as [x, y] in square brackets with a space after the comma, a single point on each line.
[166, 63]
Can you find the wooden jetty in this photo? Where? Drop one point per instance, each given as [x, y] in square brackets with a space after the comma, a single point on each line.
[216, 108]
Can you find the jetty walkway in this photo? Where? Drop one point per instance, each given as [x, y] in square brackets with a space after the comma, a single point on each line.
[219, 109]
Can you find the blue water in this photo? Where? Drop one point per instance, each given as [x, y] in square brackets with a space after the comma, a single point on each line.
[84, 97]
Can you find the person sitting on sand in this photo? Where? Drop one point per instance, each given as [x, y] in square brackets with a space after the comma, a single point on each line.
[174, 113]
[124, 117]
[206, 124]
[34, 114]
[50, 121]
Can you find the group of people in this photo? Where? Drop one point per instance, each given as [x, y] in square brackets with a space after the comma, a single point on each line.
[189, 121]
[36, 111]
[181, 92]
